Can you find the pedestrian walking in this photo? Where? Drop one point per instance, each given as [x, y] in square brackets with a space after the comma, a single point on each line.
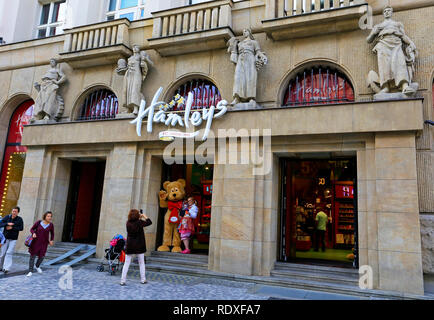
[136, 243]
[43, 234]
[12, 224]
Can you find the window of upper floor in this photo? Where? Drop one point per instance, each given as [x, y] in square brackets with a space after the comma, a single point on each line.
[52, 19]
[130, 9]
[205, 94]
[99, 104]
[319, 84]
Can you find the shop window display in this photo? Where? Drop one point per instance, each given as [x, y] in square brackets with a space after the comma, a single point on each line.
[319, 215]
[198, 184]
[318, 85]
[14, 158]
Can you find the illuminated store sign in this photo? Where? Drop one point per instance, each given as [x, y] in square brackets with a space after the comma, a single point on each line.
[190, 117]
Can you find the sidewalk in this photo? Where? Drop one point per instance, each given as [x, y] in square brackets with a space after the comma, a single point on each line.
[89, 284]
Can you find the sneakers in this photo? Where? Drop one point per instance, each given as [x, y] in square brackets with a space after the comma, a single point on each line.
[186, 251]
[5, 271]
[39, 270]
[144, 282]
[29, 274]
[122, 283]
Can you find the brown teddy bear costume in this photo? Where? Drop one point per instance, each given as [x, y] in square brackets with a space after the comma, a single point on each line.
[171, 198]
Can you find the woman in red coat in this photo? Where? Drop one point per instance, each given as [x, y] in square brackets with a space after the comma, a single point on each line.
[43, 234]
[136, 244]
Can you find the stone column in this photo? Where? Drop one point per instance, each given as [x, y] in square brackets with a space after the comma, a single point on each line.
[399, 240]
[33, 186]
[244, 219]
[119, 194]
[151, 181]
[58, 194]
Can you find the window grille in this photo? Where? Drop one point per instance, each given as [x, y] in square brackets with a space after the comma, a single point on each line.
[318, 85]
[206, 94]
[99, 105]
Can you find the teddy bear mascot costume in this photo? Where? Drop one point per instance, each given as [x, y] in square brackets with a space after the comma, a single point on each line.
[171, 198]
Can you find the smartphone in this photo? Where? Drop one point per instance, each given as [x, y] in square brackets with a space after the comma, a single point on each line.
[141, 211]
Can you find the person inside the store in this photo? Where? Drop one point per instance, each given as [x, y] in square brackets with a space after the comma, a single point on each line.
[321, 227]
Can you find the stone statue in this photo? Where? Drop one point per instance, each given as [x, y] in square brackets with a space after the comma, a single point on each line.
[396, 55]
[49, 104]
[135, 72]
[249, 58]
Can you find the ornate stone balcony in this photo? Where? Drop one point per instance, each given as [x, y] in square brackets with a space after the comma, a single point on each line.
[195, 28]
[288, 19]
[96, 44]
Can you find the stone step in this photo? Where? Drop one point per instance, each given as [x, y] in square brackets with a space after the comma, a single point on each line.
[179, 256]
[316, 277]
[326, 270]
[279, 281]
[173, 262]
[60, 248]
[59, 251]
[66, 245]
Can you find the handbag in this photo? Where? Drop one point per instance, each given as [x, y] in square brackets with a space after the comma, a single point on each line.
[28, 241]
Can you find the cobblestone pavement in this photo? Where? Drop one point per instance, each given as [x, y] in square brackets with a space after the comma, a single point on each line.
[89, 284]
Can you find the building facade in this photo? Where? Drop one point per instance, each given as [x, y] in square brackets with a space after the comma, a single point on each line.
[331, 145]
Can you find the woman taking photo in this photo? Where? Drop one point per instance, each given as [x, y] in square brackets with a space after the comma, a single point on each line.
[42, 230]
[136, 244]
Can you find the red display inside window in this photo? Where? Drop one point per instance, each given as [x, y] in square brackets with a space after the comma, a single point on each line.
[14, 158]
[205, 94]
[20, 118]
[318, 86]
[344, 192]
[207, 189]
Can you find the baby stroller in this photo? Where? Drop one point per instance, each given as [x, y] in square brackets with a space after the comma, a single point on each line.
[113, 255]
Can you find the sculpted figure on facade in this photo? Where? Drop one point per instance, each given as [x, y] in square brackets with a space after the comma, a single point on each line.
[134, 71]
[249, 59]
[49, 104]
[396, 55]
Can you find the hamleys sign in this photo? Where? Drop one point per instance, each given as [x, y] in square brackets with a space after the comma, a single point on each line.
[193, 118]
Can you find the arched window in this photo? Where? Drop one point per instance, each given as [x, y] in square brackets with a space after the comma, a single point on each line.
[205, 94]
[100, 104]
[318, 85]
[13, 159]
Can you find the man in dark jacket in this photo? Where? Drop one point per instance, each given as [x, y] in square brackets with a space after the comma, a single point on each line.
[12, 224]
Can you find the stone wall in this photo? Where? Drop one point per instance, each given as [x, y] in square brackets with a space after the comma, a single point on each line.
[427, 232]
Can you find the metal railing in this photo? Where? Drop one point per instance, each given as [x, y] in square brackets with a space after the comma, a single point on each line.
[99, 105]
[318, 86]
[205, 94]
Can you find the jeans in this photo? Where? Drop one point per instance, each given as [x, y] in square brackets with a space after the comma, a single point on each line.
[32, 262]
[6, 254]
[128, 258]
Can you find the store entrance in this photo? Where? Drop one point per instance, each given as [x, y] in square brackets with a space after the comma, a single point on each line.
[84, 202]
[319, 212]
[199, 180]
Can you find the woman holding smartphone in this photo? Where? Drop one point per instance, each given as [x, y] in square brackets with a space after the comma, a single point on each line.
[136, 244]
